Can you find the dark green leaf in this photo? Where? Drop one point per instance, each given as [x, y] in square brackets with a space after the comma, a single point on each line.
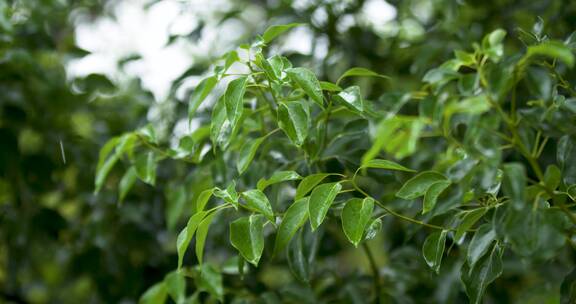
[553, 50]
[468, 220]
[386, 165]
[307, 81]
[432, 195]
[257, 200]
[360, 72]
[419, 184]
[200, 93]
[294, 218]
[330, 87]
[514, 184]
[308, 183]
[247, 236]
[433, 249]
[210, 280]
[201, 234]
[175, 286]
[484, 272]
[186, 235]
[247, 153]
[234, 100]
[277, 177]
[294, 121]
[480, 244]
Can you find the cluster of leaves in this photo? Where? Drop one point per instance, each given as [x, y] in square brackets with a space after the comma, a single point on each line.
[485, 121]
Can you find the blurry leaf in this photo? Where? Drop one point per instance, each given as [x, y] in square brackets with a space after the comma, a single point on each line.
[330, 87]
[275, 30]
[514, 184]
[320, 201]
[308, 82]
[247, 153]
[186, 235]
[568, 288]
[397, 136]
[201, 233]
[351, 98]
[385, 164]
[433, 249]
[360, 72]
[477, 278]
[295, 216]
[210, 280]
[247, 236]
[469, 219]
[156, 294]
[200, 93]
[294, 121]
[552, 177]
[257, 200]
[229, 194]
[175, 286]
[203, 199]
[176, 200]
[373, 228]
[277, 177]
[356, 216]
[308, 183]
[419, 184]
[103, 171]
[480, 244]
[234, 99]
[297, 261]
[145, 166]
[552, 50]
[126, 183]
[432, 194]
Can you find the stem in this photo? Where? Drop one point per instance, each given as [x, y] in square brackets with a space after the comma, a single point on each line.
[375, 272]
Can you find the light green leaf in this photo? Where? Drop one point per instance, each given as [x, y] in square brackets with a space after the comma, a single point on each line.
[330, 87]
[257, 200]
[156, 294]
[126, 183]
[294, 218]
[277, 177]
[308, 183]
[419, 184]
[468, 220]
[234, 99]
[356, 217]
[307, 81]
[247, 236]
[145, 166]
[480, 243]
[351, 98]
[397, 135]
[373, 228]
[275, 30]
[247, 153]
[203, 198]
[220, 128]
[294, 121]
[551, 49]
[229, 194]
[320, 201]
[105, 151]
[357, 71]
[201, 234]
[185, 236]
[200, 93]
[386, 165]
[103, 172]
[432, 195]
[433, 249]
[477, 278]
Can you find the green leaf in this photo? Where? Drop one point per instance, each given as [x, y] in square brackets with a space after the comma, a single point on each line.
[480, 244]
[103, 172]
[552, 177]
[185, 236]
[277, 177]
[419, 184]
[201, 234]
[468, 220]
[234, 99]
[275, 30]
[210, 280]
[175, 286]
[432, 195]
[351, 98]
[433, 249]
[477, 278]
[373, 228]
[356, 217]
[330, 87]
[126, 183]
[176, 201]
[298, 263]
[308, 183]
[360, 72]
[200, 93]
[257, 200]
[294, 121]
[514, 184]
[203, 198]
[307, 81]
[397, 135]
[294, 218]
[229, 194]
[551, 49]
[320, 201]
[386, 165]
[156, 294]
[145, 166]
[105, 151]
[247, 153]
[220, 128]
[247, 236]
